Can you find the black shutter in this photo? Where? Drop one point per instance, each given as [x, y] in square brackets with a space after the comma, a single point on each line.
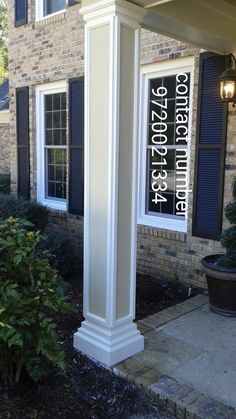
[22, 131]
[21, 12]
[210, 149]
[72, 2]
[76, 146]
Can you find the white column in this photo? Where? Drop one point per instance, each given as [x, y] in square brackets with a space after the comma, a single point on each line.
[108, 333]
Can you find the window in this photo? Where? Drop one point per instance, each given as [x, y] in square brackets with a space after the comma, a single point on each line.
[164, 144]
[49, 7]
[52, 6]
[52, 145]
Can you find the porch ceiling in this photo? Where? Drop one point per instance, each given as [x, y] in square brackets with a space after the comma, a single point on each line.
[210, 24]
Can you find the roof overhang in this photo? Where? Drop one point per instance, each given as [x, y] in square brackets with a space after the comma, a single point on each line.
[210, 24]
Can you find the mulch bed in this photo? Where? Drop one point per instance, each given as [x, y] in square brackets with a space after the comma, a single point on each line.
[88, 390]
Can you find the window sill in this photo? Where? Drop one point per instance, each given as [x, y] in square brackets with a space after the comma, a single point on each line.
[163, 223]
[54, 205]
[46, 20]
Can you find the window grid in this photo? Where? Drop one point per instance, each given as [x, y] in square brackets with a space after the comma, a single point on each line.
[55, 147]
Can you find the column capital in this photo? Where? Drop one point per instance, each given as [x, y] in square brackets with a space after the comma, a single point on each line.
[108, 8]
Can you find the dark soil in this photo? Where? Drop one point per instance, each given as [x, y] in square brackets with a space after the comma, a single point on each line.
[153, 295]
[88, 390]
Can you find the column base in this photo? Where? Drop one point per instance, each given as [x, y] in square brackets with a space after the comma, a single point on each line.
[108, 346]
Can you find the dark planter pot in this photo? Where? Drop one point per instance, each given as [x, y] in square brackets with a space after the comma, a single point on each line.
[221, 283]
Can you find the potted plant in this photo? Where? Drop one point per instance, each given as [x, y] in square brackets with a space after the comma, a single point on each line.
[220, 270]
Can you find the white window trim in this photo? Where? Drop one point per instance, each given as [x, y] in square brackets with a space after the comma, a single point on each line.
[39, 11]
[165, 68]
[41, 90]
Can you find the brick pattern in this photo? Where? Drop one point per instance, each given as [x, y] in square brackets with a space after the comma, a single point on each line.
[5, 155]
[167, 254]
[173, 256]
[41, 52]
[181, 400]
[71, 224]
[184, 402]
[52, 50]
[156, 48]
[171, 313]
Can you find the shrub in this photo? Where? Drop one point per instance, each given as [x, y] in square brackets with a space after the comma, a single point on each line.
[11, 206]
[228, 237]
[230, 212]
[62, 252]
[5, 183]
[30, 293]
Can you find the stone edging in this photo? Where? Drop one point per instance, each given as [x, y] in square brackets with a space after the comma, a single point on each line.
[179, 399]
[171, 313]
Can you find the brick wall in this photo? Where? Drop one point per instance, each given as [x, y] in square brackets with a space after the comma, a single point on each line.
[71, 224]
[42, 52]
[5, 148]
[53, 50]
[165, 253]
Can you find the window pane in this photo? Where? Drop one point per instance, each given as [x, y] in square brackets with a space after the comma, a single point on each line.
[180, 208]
[48, 120]
[152, 206]
[170, 134]
[170, 111]
[50, 156]
[60, 190]
[63, 119]
[50, 189]
[154, 84]
[64, 175]
[59, 170]
[170, 84]
[63, 101]
[56, 173]
[56, 101]
[170, 180]
[63, 136]
[49, 136]
[55, 135]
[48, 102]
[51, 172]
[164, 98]
[58, 156]
[52, 6]
[170, 159]
[168, 206]
[56, 120]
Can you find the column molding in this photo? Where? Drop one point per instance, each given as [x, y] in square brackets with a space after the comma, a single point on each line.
[108, 8]
[111, 338]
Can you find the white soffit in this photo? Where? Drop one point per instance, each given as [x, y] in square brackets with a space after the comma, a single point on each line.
[210, 24]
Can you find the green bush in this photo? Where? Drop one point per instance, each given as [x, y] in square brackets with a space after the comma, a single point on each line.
[62, 252]
[228, 237]
[30, 293]
[230, 212]
[5, 183]
[11, 206]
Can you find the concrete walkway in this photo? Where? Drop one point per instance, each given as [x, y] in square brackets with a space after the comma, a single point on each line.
[189, 362]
